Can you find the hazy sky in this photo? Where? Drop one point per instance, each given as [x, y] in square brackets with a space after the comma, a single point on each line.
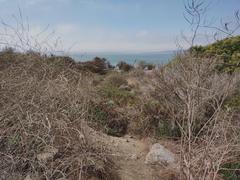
[112, 25]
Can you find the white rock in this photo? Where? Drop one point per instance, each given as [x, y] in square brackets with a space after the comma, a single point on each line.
[47, 154]
[28, 177]
[125, 87]
[160, 155]
[134, 157]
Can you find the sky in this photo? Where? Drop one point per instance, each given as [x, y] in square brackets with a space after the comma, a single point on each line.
[111, 25]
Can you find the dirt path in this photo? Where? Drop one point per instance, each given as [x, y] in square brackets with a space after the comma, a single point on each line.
[129, 158]
[128, 154]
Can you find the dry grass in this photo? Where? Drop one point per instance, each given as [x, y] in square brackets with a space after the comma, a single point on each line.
[43, 107]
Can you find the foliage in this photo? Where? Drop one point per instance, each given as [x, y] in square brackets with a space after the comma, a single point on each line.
[226, 50]
[119, 96]
[233, 102]
[115, 88]
[231, 171]
[124, 66]
[97, 65]
[155, 119]
[108, 118]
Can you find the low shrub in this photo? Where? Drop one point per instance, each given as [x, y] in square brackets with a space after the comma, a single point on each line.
[103, 116]
[155, 120]
[145, 65]
[231, 171]
[120, 96]
[97, 65]
[124, 66]
[233, 102]
[116, 80]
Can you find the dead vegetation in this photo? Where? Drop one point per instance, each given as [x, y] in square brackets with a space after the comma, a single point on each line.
[193, 95]
[43, 107]
[47, 104]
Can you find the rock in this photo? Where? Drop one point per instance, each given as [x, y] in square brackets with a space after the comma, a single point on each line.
[31, 177]
[125, 87]
[160, 155]
[28, 177]
[111, 102]
[47, 154]
[133, 157]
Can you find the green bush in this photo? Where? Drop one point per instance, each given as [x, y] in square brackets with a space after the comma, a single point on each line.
[119, 96]
[231, 174]
[233, 103]
[108, 119]
[226, 50]
[155, 119]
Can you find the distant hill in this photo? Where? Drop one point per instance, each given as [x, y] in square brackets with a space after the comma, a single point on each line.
[227, 50]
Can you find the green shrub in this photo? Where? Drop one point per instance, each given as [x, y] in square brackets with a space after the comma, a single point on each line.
[155, 120]
[108, 119]
[231, 174]
[119, 96]
[226, 50]
[233, 102]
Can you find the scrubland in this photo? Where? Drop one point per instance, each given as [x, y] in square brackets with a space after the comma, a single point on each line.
[62, 119]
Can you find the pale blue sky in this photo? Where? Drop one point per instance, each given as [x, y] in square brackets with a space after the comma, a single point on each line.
[112, 25]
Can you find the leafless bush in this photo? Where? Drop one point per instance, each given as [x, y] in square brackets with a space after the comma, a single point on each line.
[43, 108]
[194, 94]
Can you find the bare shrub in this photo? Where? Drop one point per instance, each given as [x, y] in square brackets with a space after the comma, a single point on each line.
[43, 108]
[116, 79]
[193, 94]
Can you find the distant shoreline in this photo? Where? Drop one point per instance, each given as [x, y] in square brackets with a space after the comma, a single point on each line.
[130, 58]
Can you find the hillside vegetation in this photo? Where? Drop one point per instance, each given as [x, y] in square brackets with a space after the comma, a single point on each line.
[226, 50]
[62, 119]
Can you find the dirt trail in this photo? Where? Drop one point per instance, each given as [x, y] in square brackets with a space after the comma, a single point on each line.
[129, 158]
[128, 154]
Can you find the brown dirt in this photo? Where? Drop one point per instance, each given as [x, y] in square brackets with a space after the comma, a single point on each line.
[128, 154]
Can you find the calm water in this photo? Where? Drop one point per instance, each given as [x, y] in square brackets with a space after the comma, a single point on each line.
[114, 58]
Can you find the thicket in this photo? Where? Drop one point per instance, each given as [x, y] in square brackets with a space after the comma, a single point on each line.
[44, 110]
